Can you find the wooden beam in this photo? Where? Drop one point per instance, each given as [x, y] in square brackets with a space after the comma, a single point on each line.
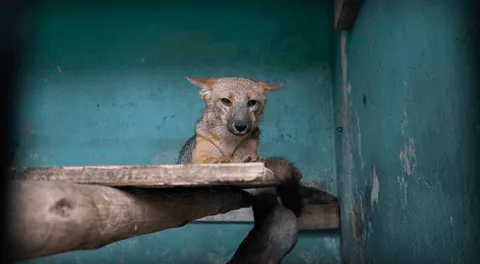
[273, 236]
[47, 217]
[245, 175]
[314, 217]
[321, 210]
[345, 12]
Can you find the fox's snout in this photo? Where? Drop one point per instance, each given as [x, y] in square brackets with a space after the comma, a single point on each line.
[240, 127]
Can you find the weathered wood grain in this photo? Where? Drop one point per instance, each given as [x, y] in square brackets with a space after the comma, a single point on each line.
[245, 175]
[321, 210]
[48, 217]
[314, 217]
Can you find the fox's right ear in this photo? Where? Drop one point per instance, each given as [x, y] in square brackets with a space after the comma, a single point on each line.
[205, 84]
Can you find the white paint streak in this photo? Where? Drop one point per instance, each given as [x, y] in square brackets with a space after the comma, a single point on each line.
[404, 123]
[375, 187]
[408, 157]
[343, 44]
[359, 140]
[403, 187]
[347, 133]
[408, 160]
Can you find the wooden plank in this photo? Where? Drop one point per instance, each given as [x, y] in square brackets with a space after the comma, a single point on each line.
[245, 175]
[51, 217]
[345, 12]
[321, 210]
[315, 217]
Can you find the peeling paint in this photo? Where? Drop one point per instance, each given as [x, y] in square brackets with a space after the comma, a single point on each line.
[375, 187]
[355, 227]
[403, 188]
[347, 138]
[404, 123]
[408, 157]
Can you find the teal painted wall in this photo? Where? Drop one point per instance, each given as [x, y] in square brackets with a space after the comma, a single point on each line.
[407, 98]
[105, 84]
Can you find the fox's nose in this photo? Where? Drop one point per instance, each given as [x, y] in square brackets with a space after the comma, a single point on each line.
[240, 126]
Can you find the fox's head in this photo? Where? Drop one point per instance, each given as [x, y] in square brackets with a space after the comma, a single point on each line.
[235, 103]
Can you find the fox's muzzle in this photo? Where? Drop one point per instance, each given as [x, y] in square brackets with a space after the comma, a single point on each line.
[240, 128]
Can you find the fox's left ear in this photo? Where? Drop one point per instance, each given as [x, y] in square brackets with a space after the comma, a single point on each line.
[202, 82]
[270, 86]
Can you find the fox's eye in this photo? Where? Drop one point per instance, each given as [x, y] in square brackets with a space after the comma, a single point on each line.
[226, 102]
[251, 103]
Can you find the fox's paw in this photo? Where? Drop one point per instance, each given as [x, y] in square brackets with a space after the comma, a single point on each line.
[223, 160]
[254, 158]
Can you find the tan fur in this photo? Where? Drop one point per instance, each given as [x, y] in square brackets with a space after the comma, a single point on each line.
[214, 142]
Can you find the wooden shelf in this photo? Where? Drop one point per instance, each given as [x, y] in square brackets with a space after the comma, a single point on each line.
[245, 175]
[57, 206]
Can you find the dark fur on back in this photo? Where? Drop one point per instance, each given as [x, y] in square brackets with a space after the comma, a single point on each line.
[185, 154]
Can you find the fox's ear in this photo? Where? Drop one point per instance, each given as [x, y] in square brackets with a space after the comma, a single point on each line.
[202, 82]
[270, 86]
[205, 86]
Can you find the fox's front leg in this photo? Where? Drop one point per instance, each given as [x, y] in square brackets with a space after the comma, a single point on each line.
[248, 151]
[207, 153]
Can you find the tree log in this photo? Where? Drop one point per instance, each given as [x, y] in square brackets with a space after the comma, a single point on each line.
[49, 217]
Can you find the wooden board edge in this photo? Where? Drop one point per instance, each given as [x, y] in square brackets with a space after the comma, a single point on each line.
[245, 175]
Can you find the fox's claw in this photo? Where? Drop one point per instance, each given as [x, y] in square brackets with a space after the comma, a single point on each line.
[252, 159]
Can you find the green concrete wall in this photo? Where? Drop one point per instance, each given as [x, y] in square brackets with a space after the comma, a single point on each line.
[406, 99]
[105, 84]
